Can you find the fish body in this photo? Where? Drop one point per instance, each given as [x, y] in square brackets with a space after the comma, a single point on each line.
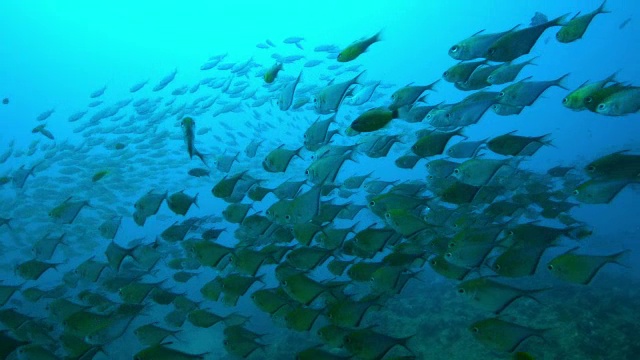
[188, 131]
[575, 28]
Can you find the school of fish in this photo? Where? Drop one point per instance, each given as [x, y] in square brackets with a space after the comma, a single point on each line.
[283, 226]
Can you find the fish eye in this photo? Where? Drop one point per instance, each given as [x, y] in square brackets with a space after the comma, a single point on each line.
[550, 267]
[430, 177]
[565, 100]
[461, 291]
[454, 48]
[448, 115]
[372, 203]
[576, 192]
[347, 339]
[287, 217]
[497, 266]
[315, 100]
[429, 116]
[455, 171]
[452, 244]
[448, 255]
[492, 51]
[387, 215]
[445, 73]
[510, 233]
[284, 283]
[501, 94]
[226, 342]
[434, 262]
[306, 172]
[330, 316]
[475, 330]
[591, 168]
[602, 107]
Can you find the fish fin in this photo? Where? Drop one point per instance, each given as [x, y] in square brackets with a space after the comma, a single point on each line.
[201, 156]
[195, 200]
[430, 86]
[612, 78]
[478, 33]
[560, 81]
[576, 15]
[601, 9]
[559, 21]
[530, 61]
[616, 258]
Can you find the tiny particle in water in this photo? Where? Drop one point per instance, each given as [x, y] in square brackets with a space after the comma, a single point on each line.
[5, 101]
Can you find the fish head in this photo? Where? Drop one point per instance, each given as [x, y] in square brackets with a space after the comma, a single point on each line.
[457, 51]
[607, 108]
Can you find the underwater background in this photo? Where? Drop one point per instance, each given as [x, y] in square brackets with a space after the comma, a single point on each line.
[104, 257]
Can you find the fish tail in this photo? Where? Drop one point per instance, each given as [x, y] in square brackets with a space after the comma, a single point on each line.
[201, 156]
[612, 78]
[559, 21]
[560, 82]
[378, 37]
[601, 9]
[617, 257]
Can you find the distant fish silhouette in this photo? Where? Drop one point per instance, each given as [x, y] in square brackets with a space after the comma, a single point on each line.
[624, 23]
[538, 18]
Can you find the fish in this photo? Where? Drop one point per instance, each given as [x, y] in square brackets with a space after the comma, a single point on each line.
[199, 172]
[519, 42]
[493, 296]
[364, 94]
[503, 335]
[188, 130]
[162, 352]
[279, 158]
[41, 129]
[286, 94]
[329, 98]
[538, 18]
[180, 202]
[373, 119]
[461, 71]
[581, 269]
[575, 28]
[621, 103]
[576, 98]
[165, 81]
[357, 48]
[67, 212]
[599, 191]
[525, 93]
[271, 74]
[624, 23]
[507, 72]
[477, 45]
[408, 95]
[98, 92]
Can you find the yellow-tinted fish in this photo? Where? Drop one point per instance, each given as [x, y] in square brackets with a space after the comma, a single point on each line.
[575, 28]
[356, 49]
[272, 73]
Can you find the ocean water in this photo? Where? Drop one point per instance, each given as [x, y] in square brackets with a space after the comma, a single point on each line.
[73, 68]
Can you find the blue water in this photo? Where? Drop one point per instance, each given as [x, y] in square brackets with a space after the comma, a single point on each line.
[54, 54]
